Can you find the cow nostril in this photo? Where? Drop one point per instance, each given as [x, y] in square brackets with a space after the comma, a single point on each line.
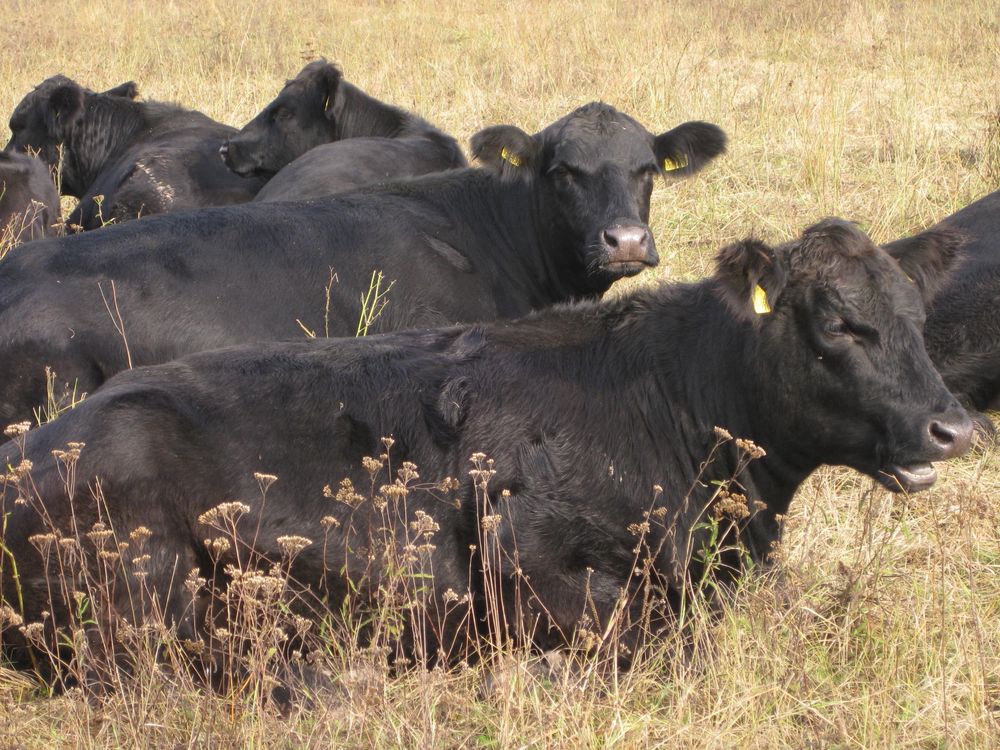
[610, 238]
[942, 434]
[951, 437]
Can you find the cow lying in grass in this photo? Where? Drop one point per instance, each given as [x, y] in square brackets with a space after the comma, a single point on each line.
[595, 421]
[322, 135]
[125, 158]
[557, 216]
[963, 322]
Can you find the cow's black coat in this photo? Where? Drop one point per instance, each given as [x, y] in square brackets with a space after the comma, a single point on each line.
[29, 204]
[465, 245]
[322, 135]
[963, 321]
[593, 414]
[124, 158]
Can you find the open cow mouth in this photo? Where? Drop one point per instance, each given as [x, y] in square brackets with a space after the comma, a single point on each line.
[910, 478]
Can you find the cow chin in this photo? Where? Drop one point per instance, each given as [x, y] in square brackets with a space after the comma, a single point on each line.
[623, 269]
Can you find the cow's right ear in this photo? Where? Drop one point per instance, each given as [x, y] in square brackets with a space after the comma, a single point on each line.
[751, 278]
[127, 90]
[507, 150]
[65, 108]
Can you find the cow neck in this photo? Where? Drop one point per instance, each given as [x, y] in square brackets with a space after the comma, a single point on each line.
[709, 373]
[108, 127]
[358, 115]
[528, 258]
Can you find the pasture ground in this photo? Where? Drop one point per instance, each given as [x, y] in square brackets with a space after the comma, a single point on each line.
[882, 630]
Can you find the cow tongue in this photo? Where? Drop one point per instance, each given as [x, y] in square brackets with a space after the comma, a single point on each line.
[912, 478]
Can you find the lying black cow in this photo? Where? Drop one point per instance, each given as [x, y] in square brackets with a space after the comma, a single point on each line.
[29, 204]
[963, 323]
[599, 418]
[467, 245]
[124, 158]
[322, 135]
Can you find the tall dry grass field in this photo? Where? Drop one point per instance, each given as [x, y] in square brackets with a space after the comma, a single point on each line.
[883, 627]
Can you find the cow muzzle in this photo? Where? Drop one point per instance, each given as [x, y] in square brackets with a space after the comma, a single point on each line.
[628, 249]
[947, 435]
[234, 157]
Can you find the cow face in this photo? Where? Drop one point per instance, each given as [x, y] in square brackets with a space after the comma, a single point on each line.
[595, 169]
[839, 355]
[45, 118]
[300, 118]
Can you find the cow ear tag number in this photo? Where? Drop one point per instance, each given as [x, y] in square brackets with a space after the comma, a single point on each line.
[672, 165]
[760, 303]
[510, 157]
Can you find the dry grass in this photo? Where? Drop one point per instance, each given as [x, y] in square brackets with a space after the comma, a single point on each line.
[882, 631]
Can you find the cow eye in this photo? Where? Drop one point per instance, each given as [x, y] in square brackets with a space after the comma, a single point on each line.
[563, 173]
[836, 327]
[281, 114]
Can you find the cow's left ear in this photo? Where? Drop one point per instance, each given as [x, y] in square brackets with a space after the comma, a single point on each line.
[751, 278]
[127, 90]
[688, 147]
[927, 258]
[507, 150]
[65, 108]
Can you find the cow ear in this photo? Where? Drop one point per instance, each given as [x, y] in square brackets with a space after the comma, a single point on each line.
[64, 110]
[127, 90]
[688, 147]
[751, 279]
[328, 78]
[927, 258]
[507, 150]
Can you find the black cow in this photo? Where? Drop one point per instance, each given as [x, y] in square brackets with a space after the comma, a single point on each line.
[466, 245]
[963, 321]
[124, 158]
[322, 135]
[599, 417]
[29, 204]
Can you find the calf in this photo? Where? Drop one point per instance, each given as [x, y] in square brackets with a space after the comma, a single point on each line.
[321, 135]
[606, 424]
[963, 322]
[124, 158]
[29, 204]
[560, 215]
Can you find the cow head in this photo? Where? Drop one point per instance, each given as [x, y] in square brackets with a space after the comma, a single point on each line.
[298, 119]
[48, 117]
[840, 370]
[595, 170]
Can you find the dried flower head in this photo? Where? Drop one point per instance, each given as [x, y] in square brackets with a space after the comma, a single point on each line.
[17, 429]
[347, 495]
[224, 512]
[140, 535]
[265, 480]
[292, 545]
[372, 465]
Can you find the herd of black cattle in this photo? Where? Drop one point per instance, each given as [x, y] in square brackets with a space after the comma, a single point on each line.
[186, 330]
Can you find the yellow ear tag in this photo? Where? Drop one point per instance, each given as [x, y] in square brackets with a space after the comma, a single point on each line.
[326, 102]
[671, 165]
[760, 305]
[510, 157]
